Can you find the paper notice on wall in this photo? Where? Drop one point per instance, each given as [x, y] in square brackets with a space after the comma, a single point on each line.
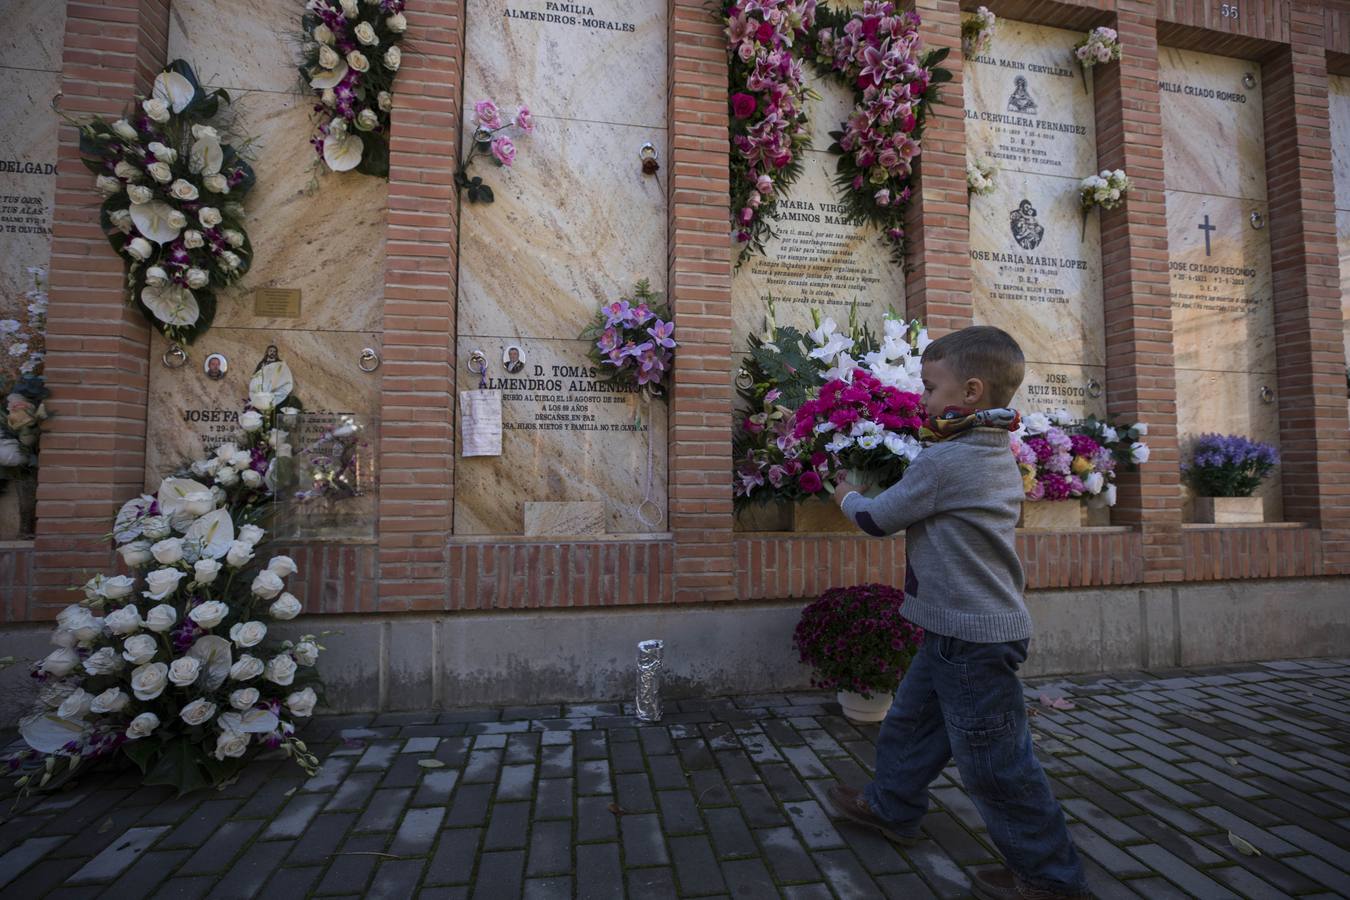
[480, 423]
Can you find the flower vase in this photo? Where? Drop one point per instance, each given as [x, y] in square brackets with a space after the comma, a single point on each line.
[1053, 515]
[820, 515]
[858, 708]
[1229, 510]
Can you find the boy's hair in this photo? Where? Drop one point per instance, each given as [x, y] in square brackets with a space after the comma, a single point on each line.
[984, 352]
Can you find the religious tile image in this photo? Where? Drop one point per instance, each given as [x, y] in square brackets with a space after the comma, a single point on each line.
[1028, 104]
[1213, 125]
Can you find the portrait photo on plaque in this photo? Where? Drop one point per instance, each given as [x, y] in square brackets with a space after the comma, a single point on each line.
[513, 359]
[216, 366]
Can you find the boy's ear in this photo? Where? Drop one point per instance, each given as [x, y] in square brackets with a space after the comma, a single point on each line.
[974, 391]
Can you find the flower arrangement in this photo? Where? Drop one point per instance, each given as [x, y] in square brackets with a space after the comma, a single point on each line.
[488, 139]
[1100, 45]
[633, 340]
[22, 384]
[351, 56]
[876, 50]
[1106, 190]
[1064, 458]
[768, 96]
[171, 665]
[857, 639]
[172, 187]
[1228, 465]
[980, 174]
[977, 32]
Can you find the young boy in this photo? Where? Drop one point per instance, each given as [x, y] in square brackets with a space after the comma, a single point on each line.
[958, 505]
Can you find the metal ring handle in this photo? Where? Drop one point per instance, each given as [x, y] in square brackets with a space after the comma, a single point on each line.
[1267, 395]
[175, 357]
[1258, 221]
[479, 358]
[1094, 388]
[369, 361]
[647, 151]
[744, 381]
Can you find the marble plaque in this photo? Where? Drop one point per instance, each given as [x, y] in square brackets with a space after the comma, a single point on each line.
[1213, 126]
[190, 413]
[595, 61]
[1046, 386]
[566, 437]
[32, 37]
[241, 45]
[1230, 403]
[28, 137]
[1036, 268]
[1219, 267]
[575, 224]
[548, 518]
[1028, 106]
[1339, 91]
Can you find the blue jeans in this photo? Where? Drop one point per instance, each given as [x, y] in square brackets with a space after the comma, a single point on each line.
[963, 700]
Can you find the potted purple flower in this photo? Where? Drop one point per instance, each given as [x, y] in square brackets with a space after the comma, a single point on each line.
[860, 645]
[1224, 471]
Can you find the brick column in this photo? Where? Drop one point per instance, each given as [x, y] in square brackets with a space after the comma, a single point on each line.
[1140, 381]
[417, 445]
[93, 448]
[1311, 362]
[937, 285]
[700, 290]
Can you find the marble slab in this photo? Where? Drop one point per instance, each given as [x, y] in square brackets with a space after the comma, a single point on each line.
[1213, 126]
[28, 138]
[1028, 106]
[1230, 403]
[548, 518]
[829, 110]
[1036, 268]
[1339, 91]
[1047, 386]
[563, 441]
[241, 45]
[818, 260]
[1222, 307]
[324, 237]
[190, 412]
[1343, 245]
[33, 35]
[575, 224]
[599, 62]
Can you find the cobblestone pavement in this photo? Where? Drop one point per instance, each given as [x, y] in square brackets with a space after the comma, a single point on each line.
[725, 797]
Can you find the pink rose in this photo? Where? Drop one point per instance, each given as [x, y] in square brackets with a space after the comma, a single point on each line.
[743, 106]
[747, 215]
[504, 150]
[809, 482]
[525, 120]
[487, 114]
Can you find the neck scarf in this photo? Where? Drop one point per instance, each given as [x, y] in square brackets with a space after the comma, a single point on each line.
[956, 420]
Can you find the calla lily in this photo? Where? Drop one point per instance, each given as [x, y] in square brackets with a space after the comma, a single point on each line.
[174, 90]
[172, 305]
[205, 157]
[328, 78]
[342, 153]
[48, 733]
[216, 657]
[216, 532]
[253, 721]
[152, 221]
[174, 494]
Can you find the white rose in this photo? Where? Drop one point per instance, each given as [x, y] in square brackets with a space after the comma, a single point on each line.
[161, 618]
[248, 634]
[108, 185]
[246, 668]
[162, 583]
[138, 193]
[76, 706]
[157, 110]
[103, 661]
[118, 586]
[184, 190]
[244, 698]
[385, 101]
[198, 711]
[162, 152]
[216, 183]
[301, 703]
[251, 534]
[204, 571]
[1094, 482]
[241, 459]
[393, 58]
[230, 744]
[285, 607]
[63, 637]
[262, 400]
[184, 670]
[142, 726]
[139, 649]
[124, 621]
[192, 239]
[230, 260]
[396, 23]
[124, 130]
[1037, 423]
[306, 653]
[168, 551]
[138, 248]
[135, 553]
[1141, 428]
[54, 693]
[209, 614]
[250, 478]
[328, 57]
[227, 475]
[239, 554]
[111, 700]
[358, 62]
[60, 662]
[148, 681]
[197, 278]
[323, 34]
[209, 216]
[349, 9]
[267, 585]
[1139, 453]
[234, 238]
[1109, 435]
[204, 467]
[282, 566]
[126, 171]
[366, 35]
[177, 219]
[156, 527]
[366, 120]
[156, 276]
[75, 615]
[121, 220]
[160, 171]
[250, 420]
[281, 670]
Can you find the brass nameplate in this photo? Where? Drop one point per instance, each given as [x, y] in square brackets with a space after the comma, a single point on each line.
[277, 303]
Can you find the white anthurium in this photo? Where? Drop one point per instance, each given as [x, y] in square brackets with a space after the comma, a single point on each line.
[274, 378]
[342, 152]
[172, 305]
[173, 89]
[216, 657]
[328, 78]
[153, 221]
[253, 721]
[206, 157]
[215, 530]
[184, 494]
[48, 732]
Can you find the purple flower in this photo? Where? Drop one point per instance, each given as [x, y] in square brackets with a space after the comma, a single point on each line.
[661, 333]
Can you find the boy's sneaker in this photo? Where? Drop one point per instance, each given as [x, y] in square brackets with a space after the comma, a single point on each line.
[852, 805]
[1001, 884]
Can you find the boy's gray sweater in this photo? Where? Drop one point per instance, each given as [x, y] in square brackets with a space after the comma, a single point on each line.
[958, 506]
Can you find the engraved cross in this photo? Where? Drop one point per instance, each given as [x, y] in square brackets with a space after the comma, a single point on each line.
[1207, 228]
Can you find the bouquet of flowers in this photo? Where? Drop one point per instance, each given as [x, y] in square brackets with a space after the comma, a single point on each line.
[1063, 458]
[1228, 465]
[977, 32]
[877, 51]
[172, 187]
[351, 57]
[856, 639]
[487, 139]
[172, 665]
[22, 385]
[1106, 190]
[980, 174]
[1100, 45]
[768, 96]
[633, 340]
